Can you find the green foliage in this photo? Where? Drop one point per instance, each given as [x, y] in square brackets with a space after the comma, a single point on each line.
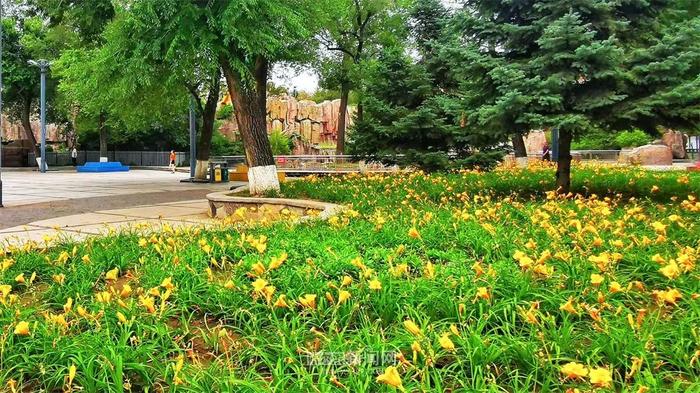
[409, 121]
[632, 138]
[594, 140]
[208, 319]
[602, 140]
[580, 67]
[222, 146]
[225, 112]
[281, 144]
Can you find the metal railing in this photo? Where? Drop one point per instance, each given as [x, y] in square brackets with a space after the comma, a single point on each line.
[130, 158]
[314, 164]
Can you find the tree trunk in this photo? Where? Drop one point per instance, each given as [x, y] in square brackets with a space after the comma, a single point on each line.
[249, 105]
[103, 136]
[27, 125]
[360, 114]
[564, 162]
[519, 145]
[75, 111]
[342, 116]
[207, 131]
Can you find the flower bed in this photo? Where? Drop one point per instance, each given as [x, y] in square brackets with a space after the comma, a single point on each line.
[459, 282]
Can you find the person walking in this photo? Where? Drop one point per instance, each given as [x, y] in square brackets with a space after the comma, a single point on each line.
[172, 161]
[74, 156]
[546, 154]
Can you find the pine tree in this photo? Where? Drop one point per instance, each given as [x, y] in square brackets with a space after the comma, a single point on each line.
[409, 120]
[580, 67]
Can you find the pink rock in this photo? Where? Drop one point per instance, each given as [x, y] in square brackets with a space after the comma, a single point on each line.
[535, 141]
[651, 155]
[676, 141]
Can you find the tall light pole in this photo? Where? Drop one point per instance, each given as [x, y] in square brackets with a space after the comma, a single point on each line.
[193, 140]
[44, 67]
[1, 131]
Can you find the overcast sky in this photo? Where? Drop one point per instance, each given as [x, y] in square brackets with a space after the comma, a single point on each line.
[307, 80]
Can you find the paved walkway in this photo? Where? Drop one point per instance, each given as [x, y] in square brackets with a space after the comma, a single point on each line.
[80, 226]
[29, 187]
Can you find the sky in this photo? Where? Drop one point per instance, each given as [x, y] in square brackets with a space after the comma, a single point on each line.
[307, 79]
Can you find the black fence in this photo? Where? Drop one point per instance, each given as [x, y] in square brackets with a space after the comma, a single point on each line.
[131, 158]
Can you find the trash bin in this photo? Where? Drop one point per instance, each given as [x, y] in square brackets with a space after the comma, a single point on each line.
[224, 173]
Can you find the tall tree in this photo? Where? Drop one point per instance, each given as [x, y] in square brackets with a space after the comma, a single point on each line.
[244, 37]
[26, 38]
[578, 67]
[86, 21]
[410, 120]
[353, 31]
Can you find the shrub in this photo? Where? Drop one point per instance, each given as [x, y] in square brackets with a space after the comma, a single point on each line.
[597, 140]
[632, 138]
[225, 112]
[280, 143]
[222, 146]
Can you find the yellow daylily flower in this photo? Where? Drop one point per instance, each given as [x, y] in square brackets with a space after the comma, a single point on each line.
[569, 307]
[112, 274]
[446, 343]
[308, 301]
[276, 262]
[375, 284]
[412, 328]
[596, 279]
[391, 377]
[600, 377]
[413, 233]
[22, 329]
[343, 296]
[121, 318]
[281, 302]
[573, 370]
[167, 283]
[671, 270]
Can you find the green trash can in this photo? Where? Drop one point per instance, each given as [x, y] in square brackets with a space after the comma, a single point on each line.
[224, 173]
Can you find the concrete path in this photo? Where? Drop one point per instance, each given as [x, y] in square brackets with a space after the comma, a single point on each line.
[25, 187]
[102, 222]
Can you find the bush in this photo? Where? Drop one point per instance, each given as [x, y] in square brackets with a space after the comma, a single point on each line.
[280, 143]
[597, 140]
[222, 146]
[632, 138]
[225, 112]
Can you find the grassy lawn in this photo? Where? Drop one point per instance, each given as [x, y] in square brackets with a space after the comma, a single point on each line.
[454, 282]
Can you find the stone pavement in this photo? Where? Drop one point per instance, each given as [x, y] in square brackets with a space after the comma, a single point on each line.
[29, 187]
[80, 226]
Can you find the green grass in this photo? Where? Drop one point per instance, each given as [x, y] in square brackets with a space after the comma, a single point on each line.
[214, 332]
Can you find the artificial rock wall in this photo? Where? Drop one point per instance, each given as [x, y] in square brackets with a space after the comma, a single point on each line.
[314, 122]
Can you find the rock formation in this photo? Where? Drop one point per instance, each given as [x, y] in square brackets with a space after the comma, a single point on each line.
[13, 131]
[677, 142]
[534, 141]
[313, 123]
[654, 154]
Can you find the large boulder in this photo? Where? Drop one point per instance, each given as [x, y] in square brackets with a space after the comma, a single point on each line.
[535, 141]
[676, 141]
[657, 154]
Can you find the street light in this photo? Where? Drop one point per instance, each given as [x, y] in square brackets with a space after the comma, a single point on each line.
[44, 67]
[1, 131]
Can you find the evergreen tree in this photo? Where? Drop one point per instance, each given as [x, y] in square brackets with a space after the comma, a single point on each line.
[575, 66]
[409, 120]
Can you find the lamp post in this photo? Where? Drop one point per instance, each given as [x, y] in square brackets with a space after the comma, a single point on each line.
[193, 140]
[44, 67]
[1, 131]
